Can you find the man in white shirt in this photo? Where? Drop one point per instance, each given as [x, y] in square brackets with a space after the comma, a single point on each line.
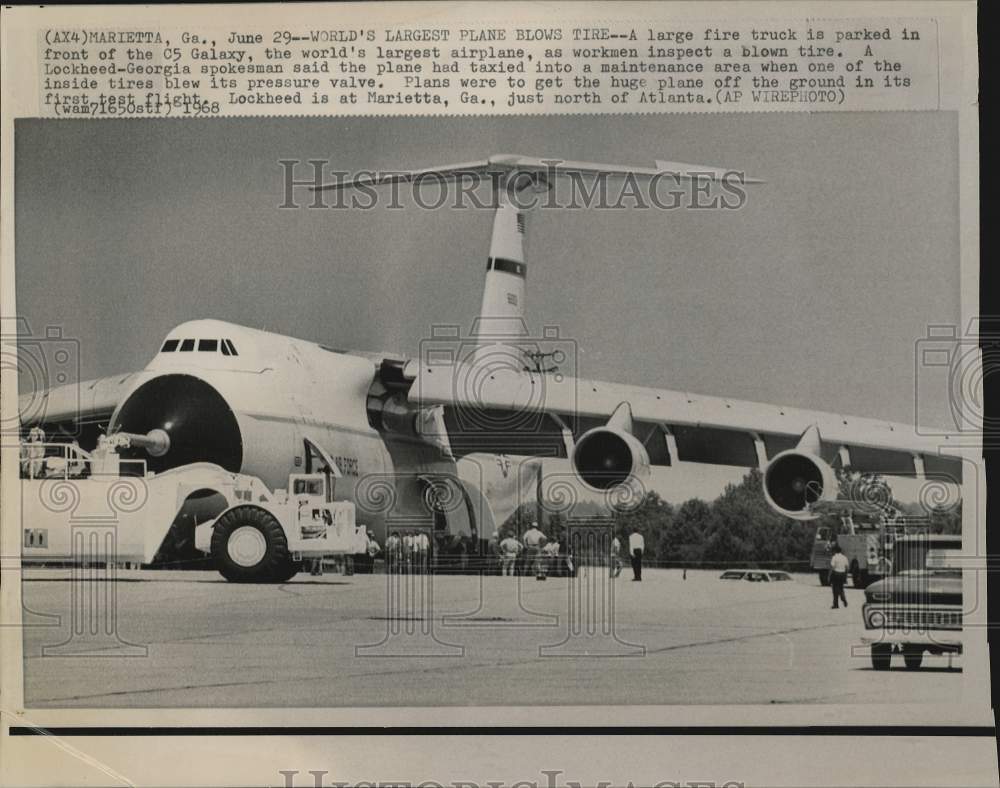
[636, 544]
[423, 542]
[550, 557]
[509, 548]
[838, 576]
[373, 550]
[408, 551]
[533, 540]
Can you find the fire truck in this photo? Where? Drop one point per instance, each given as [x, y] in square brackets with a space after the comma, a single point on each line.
[866, 534]
[95, 507]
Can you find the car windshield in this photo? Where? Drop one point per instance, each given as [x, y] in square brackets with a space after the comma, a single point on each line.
[732, 575]
[917, 557]
[935, 572]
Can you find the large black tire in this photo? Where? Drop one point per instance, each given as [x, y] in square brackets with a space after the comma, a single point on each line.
[274, 564]
[290, 570]
[861, 580]
[913, 656]
[881, 656]
[824, 577]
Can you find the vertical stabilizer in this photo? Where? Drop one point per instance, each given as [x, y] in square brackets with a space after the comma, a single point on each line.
[501, 315]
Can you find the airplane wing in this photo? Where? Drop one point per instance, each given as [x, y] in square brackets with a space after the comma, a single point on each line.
[522, 412]
[74, 408]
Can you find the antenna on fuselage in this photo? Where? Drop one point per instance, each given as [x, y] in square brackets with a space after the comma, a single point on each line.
[501, 315]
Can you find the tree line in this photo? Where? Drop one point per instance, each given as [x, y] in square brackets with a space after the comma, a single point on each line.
[737, 528]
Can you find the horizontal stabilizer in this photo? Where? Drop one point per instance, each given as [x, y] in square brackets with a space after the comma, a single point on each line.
[685, 170]
[514, 164]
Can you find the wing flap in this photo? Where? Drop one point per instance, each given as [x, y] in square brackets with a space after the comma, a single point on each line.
[714, 446]
[706, 429]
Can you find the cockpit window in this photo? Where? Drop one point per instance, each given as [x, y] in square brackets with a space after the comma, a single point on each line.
[204, 346]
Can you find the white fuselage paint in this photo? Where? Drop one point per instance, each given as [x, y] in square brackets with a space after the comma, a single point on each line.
[284, 390]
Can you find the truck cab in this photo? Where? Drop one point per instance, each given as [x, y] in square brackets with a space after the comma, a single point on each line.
[265, 537]
[918, 608]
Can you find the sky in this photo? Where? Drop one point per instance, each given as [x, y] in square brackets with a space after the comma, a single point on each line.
[812, 295]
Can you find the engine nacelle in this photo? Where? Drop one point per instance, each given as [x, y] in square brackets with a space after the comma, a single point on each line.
[606, 457]
[794, 480]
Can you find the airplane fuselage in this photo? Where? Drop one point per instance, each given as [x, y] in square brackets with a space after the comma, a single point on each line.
[251, 401]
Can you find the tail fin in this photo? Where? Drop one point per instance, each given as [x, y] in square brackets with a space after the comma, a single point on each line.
[501, 315]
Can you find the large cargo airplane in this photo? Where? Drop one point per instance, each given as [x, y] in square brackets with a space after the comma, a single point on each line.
[399, 428]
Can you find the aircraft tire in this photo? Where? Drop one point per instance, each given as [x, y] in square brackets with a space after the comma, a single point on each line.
[249, 546]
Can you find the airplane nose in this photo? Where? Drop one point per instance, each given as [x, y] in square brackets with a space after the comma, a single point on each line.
[200, 425]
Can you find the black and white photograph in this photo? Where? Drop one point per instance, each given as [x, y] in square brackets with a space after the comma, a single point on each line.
[564, 455]
[652, 417]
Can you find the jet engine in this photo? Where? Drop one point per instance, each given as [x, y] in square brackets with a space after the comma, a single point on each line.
[798, 478]
[609, 456]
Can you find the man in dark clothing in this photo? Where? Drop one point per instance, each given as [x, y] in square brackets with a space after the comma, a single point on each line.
[636, 544]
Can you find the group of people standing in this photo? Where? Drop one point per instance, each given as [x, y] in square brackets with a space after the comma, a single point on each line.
[408, 552]
[535, 554]
[636, 547]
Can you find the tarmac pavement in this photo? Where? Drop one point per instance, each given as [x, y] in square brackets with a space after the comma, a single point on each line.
[190, 639]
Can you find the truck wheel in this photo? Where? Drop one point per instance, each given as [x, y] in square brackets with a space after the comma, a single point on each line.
[881, 656]
[913, 657]
[824, 577]
[289, 571]
[249, 546]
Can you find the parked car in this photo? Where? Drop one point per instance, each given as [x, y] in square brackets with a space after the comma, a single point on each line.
[918, 609]
[755, 575]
